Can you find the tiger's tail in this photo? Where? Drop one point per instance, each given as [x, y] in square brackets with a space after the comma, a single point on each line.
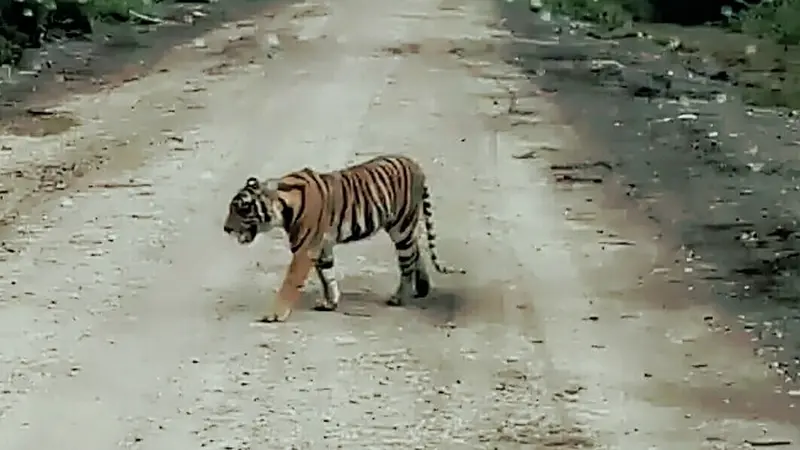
[427, 212]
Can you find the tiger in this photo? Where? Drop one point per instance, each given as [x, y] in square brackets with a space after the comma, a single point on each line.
[319, 210]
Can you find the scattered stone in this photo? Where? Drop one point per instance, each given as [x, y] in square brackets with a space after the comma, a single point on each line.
[530, 154]
[345, 340]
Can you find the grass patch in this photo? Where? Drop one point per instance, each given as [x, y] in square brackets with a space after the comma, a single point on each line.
[760, 46]
[777, 20]
[608, 13]
[757, 43]
[117, 10]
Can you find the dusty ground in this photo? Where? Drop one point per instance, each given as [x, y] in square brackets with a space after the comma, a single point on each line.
[127, 315]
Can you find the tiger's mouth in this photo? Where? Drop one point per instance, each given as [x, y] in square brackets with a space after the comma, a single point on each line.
[247, 235]
[244, 235]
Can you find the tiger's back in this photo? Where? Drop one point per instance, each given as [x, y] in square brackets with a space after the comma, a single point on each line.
[356, 202]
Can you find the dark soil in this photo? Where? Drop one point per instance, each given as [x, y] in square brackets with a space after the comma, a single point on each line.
[111, 55]
[692, 12]
[715, 174]
[764, 72]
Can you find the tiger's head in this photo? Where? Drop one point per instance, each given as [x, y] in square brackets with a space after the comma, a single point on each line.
[254, 209]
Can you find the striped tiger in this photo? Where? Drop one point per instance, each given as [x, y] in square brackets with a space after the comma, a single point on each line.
[319, 210]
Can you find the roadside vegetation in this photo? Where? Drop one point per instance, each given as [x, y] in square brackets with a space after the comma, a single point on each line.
[29, 23]
[756, 42]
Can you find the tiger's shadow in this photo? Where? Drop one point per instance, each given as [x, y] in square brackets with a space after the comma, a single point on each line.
[440, 306]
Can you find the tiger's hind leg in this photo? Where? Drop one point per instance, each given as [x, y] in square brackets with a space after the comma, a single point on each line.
[414, 279]
[324, 266]
[422, 281]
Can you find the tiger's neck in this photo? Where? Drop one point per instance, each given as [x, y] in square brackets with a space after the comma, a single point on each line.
[289, 200]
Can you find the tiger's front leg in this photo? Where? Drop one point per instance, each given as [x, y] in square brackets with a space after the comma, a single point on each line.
[327, 277]
[290, 290]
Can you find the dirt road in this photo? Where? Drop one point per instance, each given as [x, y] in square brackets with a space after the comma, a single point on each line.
[127, 315]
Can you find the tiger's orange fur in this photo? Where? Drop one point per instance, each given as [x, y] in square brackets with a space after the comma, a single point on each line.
[319, 210]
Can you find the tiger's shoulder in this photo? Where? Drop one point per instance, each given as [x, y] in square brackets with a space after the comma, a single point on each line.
[297, 178]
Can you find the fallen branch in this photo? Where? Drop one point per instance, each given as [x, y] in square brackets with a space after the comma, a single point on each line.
[582, 165]
[768, 442]
[568, 178]
[146, 19]
[616, 242]
[115, 185]
[530, 154]
[37, 111]
[356, 314]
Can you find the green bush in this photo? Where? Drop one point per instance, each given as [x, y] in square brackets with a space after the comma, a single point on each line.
[777, 20]
[25, 23]
[757, 42]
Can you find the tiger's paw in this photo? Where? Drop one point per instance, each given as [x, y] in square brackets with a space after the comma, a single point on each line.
[276, 316]
[325, 305]
[404, 293]
[395, 301]
[422, 286]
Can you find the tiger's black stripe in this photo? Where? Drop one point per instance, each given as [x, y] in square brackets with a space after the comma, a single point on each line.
[388, 192]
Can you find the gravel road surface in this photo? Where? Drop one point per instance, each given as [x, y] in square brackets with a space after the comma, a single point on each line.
[127, 316]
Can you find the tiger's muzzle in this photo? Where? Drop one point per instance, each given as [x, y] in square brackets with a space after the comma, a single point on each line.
[244, 236]
[243, 232]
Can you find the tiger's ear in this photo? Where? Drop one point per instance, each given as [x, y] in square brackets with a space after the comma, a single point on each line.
[272, 184]
[252, 182]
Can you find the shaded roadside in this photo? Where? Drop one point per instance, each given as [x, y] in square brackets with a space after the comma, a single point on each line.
[114, 54]
[718, 176]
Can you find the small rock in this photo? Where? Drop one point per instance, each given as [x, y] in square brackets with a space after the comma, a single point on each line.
[272, 40]
[345, 340]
